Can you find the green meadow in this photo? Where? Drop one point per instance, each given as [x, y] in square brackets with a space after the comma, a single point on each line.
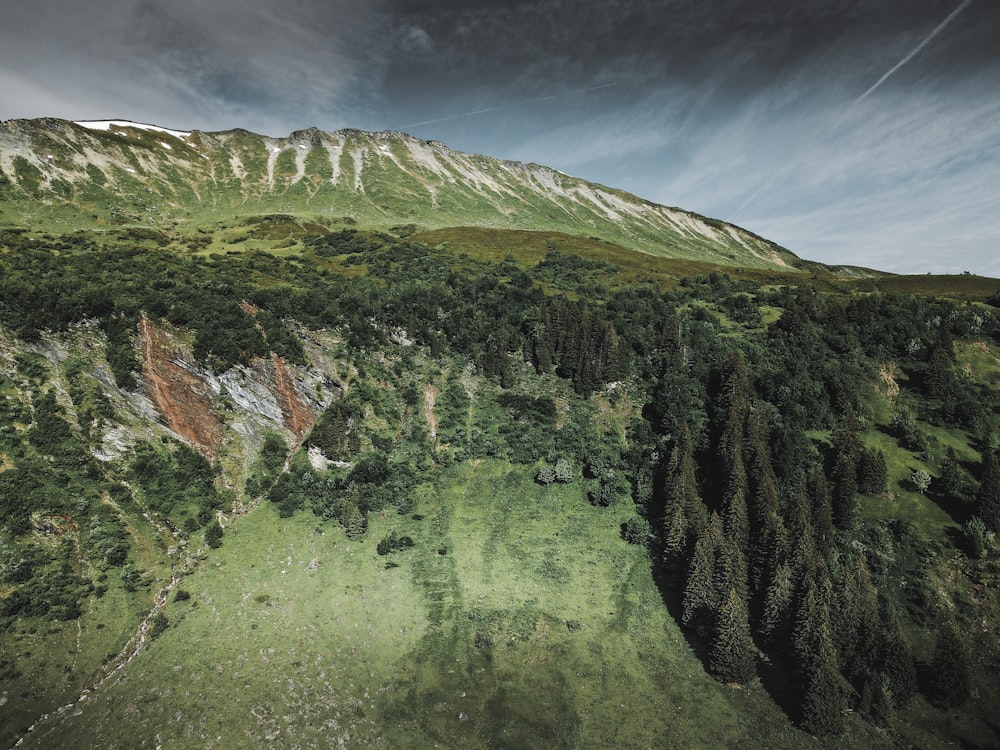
[519, 618]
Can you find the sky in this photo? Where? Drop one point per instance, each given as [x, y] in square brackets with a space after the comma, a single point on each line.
[862, 132]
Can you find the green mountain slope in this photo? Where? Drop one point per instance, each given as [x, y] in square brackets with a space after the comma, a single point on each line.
[61, 174]
[350, 440]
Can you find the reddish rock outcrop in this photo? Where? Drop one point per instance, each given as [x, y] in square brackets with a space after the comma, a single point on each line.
[182, 398]
[298, 416]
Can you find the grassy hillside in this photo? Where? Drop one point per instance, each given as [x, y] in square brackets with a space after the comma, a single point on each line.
[65, 175]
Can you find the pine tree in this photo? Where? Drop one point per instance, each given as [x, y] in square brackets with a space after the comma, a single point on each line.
[988, 497]
[775, 621]
[896, 662]
[730, 570]
[951, 684]
[731, 658]
[952, 481]
[940, 375]
[735, 392]
[734, 518]
[822, 511]
[881, 706]
[699, 593]
[764, 485]
[353, 520]
[798, 518]
[844, 472]
[682, 484]
[843, 500]
[768, 548]
[675, 537]
[872, 472]
[823, 705]
[213, 535]
[856, 628]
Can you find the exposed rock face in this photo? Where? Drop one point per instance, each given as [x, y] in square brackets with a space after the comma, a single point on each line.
[297, 414]
[267, 394]
[180, 394]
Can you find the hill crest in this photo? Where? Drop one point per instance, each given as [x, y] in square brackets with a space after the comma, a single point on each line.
[117, 172]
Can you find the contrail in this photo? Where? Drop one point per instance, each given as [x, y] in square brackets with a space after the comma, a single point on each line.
[767, 183]
[909, 56]
[965, 4]
[507, 106]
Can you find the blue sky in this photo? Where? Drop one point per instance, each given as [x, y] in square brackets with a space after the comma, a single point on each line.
[850, 131]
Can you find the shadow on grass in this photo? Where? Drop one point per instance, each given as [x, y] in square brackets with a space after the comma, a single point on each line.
[775, 673]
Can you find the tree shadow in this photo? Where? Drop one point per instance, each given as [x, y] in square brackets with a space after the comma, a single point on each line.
[777, 678]
[776, 673]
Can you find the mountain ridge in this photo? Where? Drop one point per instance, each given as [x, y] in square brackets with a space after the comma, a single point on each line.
[117, 172]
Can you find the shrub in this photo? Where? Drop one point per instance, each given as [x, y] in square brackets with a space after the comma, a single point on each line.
[158, 625]
[636, 530]
[213, 535]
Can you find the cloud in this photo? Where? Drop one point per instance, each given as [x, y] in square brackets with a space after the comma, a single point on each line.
[417, 41]
[219, 64]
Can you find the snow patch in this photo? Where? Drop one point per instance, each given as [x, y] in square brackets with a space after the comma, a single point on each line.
[111, 124]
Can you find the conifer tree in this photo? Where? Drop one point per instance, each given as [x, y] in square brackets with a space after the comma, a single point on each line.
[856, 628]
[842, 497]
[872, 472]
[763, 483]
[682, 484]
[798, 517]
[731, 658]
[775, 620]
[768, 548]
[734, 519]
[675, 537]
[735, 392]
[951, 480]
[844, 472]
[822, 512]
[699, 593]
[730, 569]
[896, 661]
[353, 520]
[950, 684]
[940, 376]
[823, 704]
[881, 706]
[988, 497]
[213, 535]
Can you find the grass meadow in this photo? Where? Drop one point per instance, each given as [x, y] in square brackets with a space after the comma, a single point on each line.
[516, 620]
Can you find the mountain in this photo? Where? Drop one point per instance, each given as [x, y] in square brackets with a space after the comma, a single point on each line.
[120, 173]
[310, 443]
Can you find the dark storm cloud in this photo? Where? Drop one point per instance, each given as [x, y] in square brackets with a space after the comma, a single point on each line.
[862, 131]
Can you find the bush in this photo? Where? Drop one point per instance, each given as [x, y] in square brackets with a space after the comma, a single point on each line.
[392, 543]
[978, 539]
[564, 471]
[213, 535]
[546, 475]
[636, 530]
[921, 480]
[158, 625]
